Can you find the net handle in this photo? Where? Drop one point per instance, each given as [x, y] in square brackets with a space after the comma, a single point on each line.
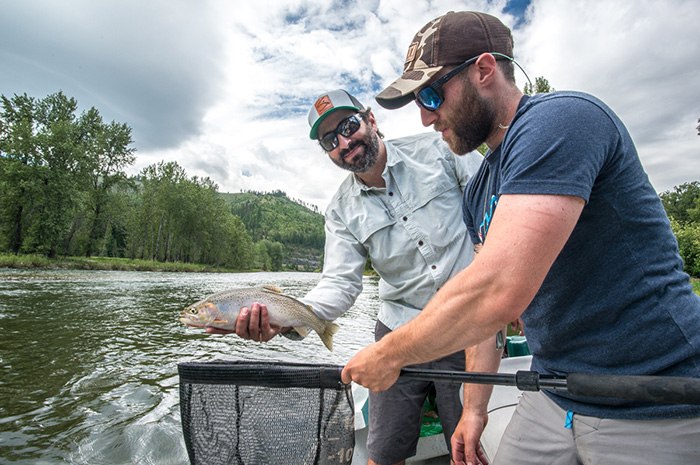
[660, 389]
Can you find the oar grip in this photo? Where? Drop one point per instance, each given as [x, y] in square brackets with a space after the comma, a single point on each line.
[665, 389]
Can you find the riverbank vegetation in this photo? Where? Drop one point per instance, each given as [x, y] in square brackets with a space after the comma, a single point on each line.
[33, 261]
[682, 205]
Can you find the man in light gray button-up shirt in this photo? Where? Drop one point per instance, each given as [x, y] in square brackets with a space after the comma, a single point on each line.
[402, 206]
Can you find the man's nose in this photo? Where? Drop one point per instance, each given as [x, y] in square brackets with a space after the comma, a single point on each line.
[343, 141]
[428, 118]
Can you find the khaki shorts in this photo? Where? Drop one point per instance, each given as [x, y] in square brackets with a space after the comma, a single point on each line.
[536, 435]
[395, 414]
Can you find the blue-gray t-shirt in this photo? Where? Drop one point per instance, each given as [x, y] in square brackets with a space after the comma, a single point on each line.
[616, 300]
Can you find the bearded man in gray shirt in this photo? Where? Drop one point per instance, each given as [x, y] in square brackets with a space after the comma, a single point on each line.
[401, 205]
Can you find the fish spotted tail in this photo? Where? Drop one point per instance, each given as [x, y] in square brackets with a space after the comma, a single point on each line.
[327, 335]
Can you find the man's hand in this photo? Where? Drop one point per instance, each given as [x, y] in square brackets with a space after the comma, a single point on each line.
[371, 370]
[518, 327]
[252, 323]
[466, 449]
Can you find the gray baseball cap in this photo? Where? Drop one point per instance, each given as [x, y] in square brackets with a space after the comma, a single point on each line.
[326, 104]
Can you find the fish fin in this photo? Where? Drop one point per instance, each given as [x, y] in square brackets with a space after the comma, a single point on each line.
[218, 319]
[302, 330]
[273, 289]
[327, 336]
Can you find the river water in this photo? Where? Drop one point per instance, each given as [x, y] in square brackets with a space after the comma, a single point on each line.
[88, 359]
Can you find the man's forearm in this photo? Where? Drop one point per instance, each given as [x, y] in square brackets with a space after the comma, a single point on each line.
[481, 358]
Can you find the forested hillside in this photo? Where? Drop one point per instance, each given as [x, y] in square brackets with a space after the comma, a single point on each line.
[277, 218]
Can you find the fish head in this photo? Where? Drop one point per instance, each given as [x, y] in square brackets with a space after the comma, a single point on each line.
[200, 315]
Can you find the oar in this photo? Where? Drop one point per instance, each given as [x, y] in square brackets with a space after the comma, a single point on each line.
[663, 389]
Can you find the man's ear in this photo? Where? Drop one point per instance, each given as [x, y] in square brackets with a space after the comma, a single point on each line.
[372, 121]
[486, 66]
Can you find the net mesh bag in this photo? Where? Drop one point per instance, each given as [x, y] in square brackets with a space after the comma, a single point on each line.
[239, 412]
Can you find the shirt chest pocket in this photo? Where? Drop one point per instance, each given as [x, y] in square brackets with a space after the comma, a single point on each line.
[372, 226]
[437, 213]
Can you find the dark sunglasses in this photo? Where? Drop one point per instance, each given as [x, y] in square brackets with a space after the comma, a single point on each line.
[345, 128]
[432, 97]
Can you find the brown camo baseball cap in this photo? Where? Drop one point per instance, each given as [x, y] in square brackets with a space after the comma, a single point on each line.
[448, 40]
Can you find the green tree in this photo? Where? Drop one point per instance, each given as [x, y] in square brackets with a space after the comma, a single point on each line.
[269, 255]
[17, 155]
[161, 205]
[688, 237]
[41, 176]
[108, 153]
[541, 86]
[49, 160]
[181, 219]
[681, 203]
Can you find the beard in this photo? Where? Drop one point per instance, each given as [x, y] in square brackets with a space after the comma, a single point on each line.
[363, 161]
[472, 123]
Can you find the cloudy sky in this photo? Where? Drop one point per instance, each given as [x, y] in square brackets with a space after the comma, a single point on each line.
[223, 87]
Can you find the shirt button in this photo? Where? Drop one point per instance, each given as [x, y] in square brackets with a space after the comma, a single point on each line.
[405, 218]
[391, 194]
[433, 267]
[420, 242]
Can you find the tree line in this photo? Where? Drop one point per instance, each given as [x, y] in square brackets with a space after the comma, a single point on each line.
[64, 192]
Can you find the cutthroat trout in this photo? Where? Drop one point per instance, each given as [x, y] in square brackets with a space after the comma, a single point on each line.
[220, 310]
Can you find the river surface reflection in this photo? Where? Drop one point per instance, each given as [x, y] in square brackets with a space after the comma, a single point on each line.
[88, 359]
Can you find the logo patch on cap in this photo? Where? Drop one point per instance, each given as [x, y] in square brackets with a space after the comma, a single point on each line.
[323, 104]
[411, 55]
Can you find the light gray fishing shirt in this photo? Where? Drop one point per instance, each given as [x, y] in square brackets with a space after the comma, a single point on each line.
[412, 229]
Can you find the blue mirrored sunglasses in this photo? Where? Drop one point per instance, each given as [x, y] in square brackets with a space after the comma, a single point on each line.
[345, 128]
[432, 97]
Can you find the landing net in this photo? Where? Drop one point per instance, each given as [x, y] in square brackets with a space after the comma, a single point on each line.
[237, 412]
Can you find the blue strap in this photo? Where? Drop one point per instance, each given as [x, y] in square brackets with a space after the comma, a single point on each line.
[569, 420]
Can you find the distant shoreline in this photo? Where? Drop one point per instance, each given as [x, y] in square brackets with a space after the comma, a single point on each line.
[105, 264]
[126, 264]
